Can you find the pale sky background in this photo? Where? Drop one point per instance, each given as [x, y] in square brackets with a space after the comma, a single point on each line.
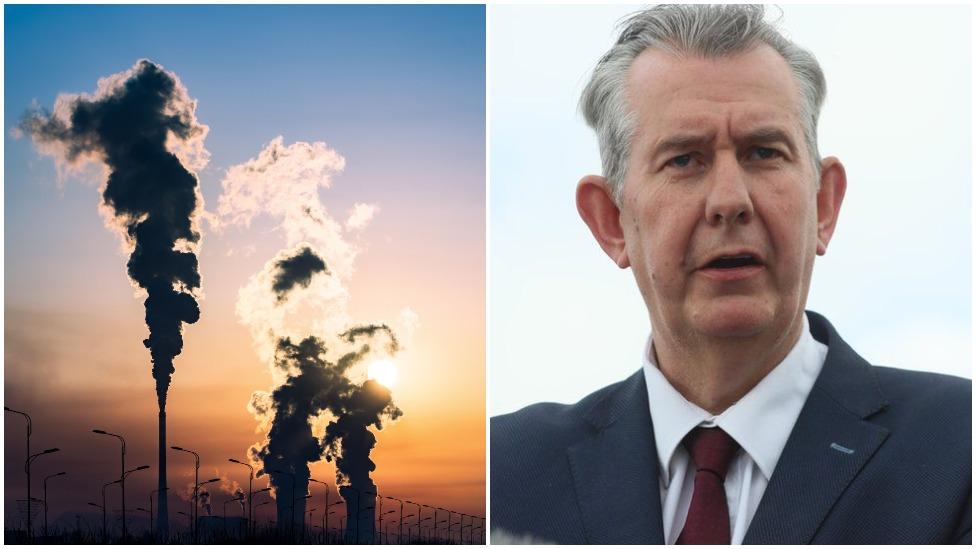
[896, 280]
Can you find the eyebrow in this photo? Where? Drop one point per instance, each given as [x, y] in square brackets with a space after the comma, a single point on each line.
[680, 142]
[769, 134]
[686, 141]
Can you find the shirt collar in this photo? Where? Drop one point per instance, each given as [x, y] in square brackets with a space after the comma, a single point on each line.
[760, 422]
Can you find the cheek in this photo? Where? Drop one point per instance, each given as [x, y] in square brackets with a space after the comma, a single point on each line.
[790, 215]
[660, 228]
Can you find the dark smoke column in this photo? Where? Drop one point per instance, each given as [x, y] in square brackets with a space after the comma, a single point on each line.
[152, 197]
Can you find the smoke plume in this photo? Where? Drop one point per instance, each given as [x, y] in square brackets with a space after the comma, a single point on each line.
[296, 270]
[297, 310]
[141, 125]
[205, 502]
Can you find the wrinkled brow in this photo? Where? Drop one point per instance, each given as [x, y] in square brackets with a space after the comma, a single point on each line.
[681, 142]
[768, 135]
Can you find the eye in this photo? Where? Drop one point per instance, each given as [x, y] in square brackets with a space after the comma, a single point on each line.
[766, 153]
[681, 161]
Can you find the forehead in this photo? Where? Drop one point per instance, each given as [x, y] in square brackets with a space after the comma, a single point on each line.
[672, 92]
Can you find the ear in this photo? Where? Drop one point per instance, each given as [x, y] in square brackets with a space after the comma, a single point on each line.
[833, 185]
[596, 206]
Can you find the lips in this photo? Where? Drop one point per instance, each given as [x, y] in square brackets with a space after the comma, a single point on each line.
[732, 265]
[733, 261]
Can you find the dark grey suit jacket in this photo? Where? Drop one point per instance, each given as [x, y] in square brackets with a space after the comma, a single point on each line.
[587, 472]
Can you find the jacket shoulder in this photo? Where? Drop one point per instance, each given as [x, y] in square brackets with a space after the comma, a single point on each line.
[926, 393]
[546, 425]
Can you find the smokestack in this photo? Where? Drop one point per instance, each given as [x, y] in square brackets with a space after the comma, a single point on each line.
[141, 125]
[360, 512]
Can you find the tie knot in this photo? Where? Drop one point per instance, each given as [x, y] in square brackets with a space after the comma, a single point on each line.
[711, 449]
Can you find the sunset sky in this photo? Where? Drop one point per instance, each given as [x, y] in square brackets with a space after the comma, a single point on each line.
[399, 92]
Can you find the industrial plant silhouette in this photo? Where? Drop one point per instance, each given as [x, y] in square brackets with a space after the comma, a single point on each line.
[141, 125]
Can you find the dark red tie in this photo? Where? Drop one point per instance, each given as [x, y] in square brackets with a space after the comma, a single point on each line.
[708, 516]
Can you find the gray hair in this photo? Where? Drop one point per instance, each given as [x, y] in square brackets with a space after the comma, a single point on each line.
[705, 30]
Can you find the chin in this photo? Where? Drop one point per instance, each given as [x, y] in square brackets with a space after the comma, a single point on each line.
[734, 316]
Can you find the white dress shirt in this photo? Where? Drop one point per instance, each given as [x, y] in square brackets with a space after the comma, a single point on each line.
[760, 422]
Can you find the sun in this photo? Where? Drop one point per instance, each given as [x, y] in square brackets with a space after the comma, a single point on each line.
[384, 371]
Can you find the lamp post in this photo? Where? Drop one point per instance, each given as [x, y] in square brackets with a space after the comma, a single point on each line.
[292, 477]
[148, 512]
[400, 528]
[45, 498]
[104, 516]
[408, 527]
[250, 510]
[122, 483]
[30, 500]
[461, 532]
[102, 507]
[293, 511]
[30, 532]
[196, 485]
[432, 509]
[122, 469]
[238, 498]
[420, 529]
[250, 483]
[326, 502]
[304, 529]
[326, 518]
[189, 520]
[383, 532]
[418, 516]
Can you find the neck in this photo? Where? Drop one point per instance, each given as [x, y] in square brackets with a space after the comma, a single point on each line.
[714, 373]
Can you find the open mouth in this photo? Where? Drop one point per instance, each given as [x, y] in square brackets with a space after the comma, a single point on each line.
[733, 262]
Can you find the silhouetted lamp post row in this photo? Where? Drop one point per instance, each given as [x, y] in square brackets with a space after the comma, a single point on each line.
[196, 485]
[250, 482]
[62, 473]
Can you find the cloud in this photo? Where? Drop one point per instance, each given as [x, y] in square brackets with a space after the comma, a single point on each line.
[360, 216]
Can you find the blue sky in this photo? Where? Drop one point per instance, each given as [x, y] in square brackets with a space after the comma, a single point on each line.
[398, 91]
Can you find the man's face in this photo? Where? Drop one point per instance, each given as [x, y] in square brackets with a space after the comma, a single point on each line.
[718, 211]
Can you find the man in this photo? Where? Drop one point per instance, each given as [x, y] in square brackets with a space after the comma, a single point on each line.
[751, 420]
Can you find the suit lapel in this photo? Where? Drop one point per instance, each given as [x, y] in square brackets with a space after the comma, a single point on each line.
[615, 470]
[829, 445]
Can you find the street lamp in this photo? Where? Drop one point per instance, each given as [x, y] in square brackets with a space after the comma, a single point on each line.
[326, 518]
[383, 532]
[408, 527]
[30, 500]
[30, 532]
[148, 512]
[125, 474]
[101, 432]
[326, 499]
[418, 516]
[400, 529]
[104, 517]
[420, 529]
[250, 500]
[435, 514]
[194, 510]
[45, 498]
[293, 511]
[237, 498]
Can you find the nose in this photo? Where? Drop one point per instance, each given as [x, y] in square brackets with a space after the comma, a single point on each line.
[728, 201]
